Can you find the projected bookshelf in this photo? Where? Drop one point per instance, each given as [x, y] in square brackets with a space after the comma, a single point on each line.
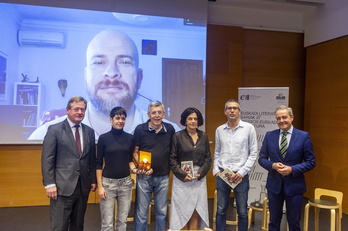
[28, 95]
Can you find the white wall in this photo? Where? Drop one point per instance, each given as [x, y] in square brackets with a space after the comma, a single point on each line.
[319, 23]
[9, 48]
[327, 22]
[255, 18]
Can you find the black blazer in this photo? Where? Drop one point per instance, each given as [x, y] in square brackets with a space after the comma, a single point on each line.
[61, 163]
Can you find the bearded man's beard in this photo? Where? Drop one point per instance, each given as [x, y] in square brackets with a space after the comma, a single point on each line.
[104, 106]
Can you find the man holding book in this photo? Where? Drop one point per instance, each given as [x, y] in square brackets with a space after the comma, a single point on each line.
[153, 141]
[236, 151]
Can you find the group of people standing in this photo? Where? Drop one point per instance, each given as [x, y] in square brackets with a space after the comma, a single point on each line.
[72, 167]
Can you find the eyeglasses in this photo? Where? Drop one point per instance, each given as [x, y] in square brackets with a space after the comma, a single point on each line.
[156, 112]
[232, 108]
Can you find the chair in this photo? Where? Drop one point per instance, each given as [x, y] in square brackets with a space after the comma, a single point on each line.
[152, 203]
[228, 222]
[265, 214]
[134, 178]
[256, 206]
[318, 203]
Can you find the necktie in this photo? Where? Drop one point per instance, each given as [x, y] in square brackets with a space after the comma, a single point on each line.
[283, 144]
[77, 138]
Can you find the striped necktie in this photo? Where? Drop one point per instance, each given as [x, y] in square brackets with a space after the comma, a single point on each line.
[283, 144]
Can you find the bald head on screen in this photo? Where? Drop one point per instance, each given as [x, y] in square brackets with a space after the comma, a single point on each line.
[112, 78]
[112, 72]
[112, 75]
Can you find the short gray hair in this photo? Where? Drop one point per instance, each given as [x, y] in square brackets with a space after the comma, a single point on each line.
[283, 107]
[232, 101]
[155, 104]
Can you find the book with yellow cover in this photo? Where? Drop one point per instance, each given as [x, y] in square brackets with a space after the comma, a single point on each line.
[144, 160]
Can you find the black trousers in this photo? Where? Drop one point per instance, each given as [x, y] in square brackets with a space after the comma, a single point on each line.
[68, 212]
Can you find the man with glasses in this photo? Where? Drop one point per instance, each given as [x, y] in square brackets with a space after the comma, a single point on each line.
[154, 136]
[236, 150]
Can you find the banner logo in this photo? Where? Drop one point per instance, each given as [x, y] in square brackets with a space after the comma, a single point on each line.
[280, 96]
[249, 97]
[244, 97]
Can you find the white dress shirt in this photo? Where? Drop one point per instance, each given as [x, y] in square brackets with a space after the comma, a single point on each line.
[235, 149]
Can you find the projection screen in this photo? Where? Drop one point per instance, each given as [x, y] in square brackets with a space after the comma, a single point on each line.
[43, 62]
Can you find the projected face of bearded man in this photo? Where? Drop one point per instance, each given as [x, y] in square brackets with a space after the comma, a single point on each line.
[112, 74]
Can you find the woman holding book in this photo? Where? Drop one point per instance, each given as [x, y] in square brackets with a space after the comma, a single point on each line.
[190, 161]
[114, 161]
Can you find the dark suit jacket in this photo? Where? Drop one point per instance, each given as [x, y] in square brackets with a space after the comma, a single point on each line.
[61, 163]
[300, 156]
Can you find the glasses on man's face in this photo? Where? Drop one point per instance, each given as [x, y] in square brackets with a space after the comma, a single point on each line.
[232, 108]
[160, 113]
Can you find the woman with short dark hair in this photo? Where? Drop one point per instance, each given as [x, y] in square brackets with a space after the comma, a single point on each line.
[114, 161]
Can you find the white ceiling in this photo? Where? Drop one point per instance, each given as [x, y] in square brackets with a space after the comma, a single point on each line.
[295, 6]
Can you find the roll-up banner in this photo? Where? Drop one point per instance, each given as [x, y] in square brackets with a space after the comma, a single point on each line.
[258, 106]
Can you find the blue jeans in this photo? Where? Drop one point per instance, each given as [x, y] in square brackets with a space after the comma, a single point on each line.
[120, 190]
[145, 186]
[241, 196]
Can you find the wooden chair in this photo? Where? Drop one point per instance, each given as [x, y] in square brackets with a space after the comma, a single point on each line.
[256, 206]
[265, 215]
[228, 222]
[318, 203]
[152, 203]
[134, 179]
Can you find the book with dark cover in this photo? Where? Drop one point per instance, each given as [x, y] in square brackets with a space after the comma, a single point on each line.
[187, 166]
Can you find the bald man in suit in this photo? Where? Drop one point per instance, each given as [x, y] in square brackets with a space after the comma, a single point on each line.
[286, 161]
[69, 169]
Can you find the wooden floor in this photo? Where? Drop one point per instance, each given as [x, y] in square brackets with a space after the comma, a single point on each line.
[37, 219]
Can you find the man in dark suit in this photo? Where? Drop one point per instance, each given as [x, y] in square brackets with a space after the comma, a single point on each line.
[286, 153]
[69, 167]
